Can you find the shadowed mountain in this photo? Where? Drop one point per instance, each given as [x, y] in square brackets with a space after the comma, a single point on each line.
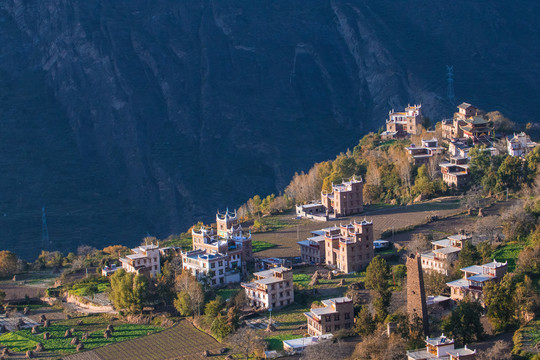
[131, 117]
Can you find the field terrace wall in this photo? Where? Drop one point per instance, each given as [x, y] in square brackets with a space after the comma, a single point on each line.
[336, 314]
[349, 248]
[271, 289]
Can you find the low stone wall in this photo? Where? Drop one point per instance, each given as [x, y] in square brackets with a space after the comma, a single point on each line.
[73, 299]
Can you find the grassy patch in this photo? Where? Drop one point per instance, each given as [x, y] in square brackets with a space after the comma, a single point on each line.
[184, 241]
[16, 342]
[261, 246]
[227, 293]
[508, 252]
[275, 342]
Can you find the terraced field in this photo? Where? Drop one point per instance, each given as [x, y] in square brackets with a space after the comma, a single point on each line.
[182, 342]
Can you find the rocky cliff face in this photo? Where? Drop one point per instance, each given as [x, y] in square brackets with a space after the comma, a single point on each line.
[128, 117]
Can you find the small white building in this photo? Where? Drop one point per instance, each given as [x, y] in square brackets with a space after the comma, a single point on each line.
[144, 259]
[297, 346]
[441, 347]
[520, 145]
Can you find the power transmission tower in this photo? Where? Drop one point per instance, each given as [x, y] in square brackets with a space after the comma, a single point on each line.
[44, 230]
[450, 78]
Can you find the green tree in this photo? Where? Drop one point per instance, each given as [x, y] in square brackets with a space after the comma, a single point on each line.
[182, 304]
[468, 256]
[220, 328]
[510, 173]
[377, 279]
[500, 303]
[463, 324]
[128, 291]
[213, 308]
[364, 324]
[423, 184]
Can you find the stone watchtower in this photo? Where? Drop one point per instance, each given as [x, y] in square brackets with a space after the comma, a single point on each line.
[416, 294]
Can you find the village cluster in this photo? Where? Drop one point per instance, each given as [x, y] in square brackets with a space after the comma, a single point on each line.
[220, 256]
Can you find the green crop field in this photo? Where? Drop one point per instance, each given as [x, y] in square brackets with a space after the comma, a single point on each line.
[508, 252]
[261, 246]
[95, 325]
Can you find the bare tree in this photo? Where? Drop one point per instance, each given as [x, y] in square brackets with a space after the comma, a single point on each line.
[487, 228]
[84, 250]
[499, 351]
[246, 341]
[378, 346]
[305, 187]
[433, 166]
[420, 242]
[196, 294]
[373, 176]
[326, 350]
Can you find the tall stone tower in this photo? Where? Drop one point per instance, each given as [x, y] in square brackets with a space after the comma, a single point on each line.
[416, 294]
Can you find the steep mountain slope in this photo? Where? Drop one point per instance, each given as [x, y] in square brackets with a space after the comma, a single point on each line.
[127, 117]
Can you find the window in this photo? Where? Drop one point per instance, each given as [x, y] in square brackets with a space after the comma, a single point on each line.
[347, 325]
[336, 317]
[327, 318]
[213, 265]
[328, 328]
[336, 327]
[220, 263]
[347, 316]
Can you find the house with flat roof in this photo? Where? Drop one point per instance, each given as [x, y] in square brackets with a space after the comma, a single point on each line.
[144, 259]
[334, 315]
[474, 279]
[455, 173]
[345, 199]
[441, 347]
[452, 128]
[444, 253]
[211, 267]
[423, 154]
[314, 210]
[349, 248]
[400, 124]
[297, 346]
[520, 144]
[271, 289]
[312, 249]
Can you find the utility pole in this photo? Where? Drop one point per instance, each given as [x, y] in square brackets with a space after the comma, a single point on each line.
[450, 79]
[44, 230]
